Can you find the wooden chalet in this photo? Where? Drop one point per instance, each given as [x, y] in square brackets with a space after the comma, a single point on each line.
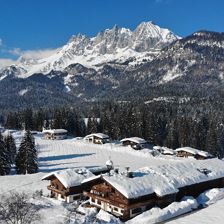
[107, 196]
[57, 134]
[135, 142]
[191, 152]
[97, 138]
[66, 185]
[127, 197]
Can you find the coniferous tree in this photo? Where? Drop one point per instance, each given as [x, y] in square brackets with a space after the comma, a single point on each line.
[57, 119]
[39, 120]
[5, 165]
[26, 159]
[211, 140]
[10, 147]
[28, 119]
[81, 130]
[92, 125]
[172, 140]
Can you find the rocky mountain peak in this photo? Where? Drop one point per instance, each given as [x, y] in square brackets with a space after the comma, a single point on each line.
[115, 44]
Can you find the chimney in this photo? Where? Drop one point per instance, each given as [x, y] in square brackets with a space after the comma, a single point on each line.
[128, 172]
[116, 170]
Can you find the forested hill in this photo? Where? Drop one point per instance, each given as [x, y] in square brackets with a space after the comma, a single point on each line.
[161, 123]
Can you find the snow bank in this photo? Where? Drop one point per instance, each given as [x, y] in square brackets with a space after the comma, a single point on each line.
[106, 217]
[210, 196]
[156, 215]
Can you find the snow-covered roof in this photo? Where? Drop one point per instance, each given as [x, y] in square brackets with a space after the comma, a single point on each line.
[194, 151]
[157, 147]
[98, 135]
[165, 179]
[145, 183]
[54, 131]
[169, 151]
[70, 177]
[135, 140]
[100, 169]
[109, 163]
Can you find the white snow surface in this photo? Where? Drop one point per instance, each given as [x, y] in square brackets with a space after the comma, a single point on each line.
[106, 217]
[23, 92]
[157, 215]
[213, 214]
[74, 154]
[54, 131]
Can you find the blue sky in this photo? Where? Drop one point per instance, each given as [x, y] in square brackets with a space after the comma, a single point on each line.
[31, 25]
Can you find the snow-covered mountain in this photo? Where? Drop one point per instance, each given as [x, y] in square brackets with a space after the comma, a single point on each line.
[111, 45]
[145, 64]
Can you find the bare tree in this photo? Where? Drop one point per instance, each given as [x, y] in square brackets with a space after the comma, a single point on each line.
[16, 209]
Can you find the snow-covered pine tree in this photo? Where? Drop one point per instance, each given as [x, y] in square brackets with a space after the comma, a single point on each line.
[26, 159]
[91, 125]
[5, 165]
[10, 147]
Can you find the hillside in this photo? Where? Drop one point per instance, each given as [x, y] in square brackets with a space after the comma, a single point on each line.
[76, 153]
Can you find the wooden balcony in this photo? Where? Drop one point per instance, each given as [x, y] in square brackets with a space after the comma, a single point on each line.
[52, 188]
[111, 200]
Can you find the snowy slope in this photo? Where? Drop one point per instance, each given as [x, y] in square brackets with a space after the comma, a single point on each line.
[75, 153]
[116, 44]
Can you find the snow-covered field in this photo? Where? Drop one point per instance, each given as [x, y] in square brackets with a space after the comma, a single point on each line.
[74, 153]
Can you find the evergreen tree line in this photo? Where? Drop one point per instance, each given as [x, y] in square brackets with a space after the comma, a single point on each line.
[171, 125]
[25, 160]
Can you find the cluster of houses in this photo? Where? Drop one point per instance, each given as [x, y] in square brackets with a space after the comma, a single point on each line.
[135, 142]
[126, 194]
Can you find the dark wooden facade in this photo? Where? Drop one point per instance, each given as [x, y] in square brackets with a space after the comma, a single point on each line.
[105, 196]
[185, 154]
[195, 189]
[98, 140]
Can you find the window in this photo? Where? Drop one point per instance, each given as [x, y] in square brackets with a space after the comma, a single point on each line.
[115, 209]
[99, 202]
[93, 200]
[62, 196]
[136, 210]
[76, 197]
